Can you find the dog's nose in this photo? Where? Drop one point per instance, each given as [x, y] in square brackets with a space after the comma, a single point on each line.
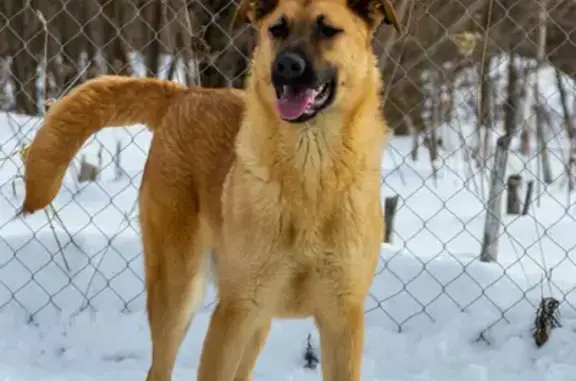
[289, 66]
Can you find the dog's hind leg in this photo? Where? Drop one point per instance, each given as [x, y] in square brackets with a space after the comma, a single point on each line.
[175, 261]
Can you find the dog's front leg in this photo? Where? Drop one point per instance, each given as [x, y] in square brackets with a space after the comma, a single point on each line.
[231, 329]
[341, 340]
[241, 321]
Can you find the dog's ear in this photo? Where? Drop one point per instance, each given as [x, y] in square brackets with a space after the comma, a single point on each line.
[250, 11]
[375, 12]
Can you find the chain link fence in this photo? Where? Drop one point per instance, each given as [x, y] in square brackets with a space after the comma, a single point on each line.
[479, 173]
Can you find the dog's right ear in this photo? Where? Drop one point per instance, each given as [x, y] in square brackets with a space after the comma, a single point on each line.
[250, 11]
[375, 12]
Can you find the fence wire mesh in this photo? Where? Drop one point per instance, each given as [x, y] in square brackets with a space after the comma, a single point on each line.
[479, 173]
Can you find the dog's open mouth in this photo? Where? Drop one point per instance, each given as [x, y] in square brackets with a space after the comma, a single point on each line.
[299, 104]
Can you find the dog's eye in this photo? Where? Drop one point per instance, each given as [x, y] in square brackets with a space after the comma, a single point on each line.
[279, 29]
[325, 30]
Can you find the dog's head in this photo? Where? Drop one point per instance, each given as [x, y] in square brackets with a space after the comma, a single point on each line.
[312, 55]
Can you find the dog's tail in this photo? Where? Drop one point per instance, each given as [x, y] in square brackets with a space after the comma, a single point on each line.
[102, 102]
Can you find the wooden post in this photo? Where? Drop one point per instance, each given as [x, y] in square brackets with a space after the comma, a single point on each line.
[88, 172]
[528, 198]
[513, 199]
[390, 204]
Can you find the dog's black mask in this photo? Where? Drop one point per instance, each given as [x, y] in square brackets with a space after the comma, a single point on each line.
[302, 90]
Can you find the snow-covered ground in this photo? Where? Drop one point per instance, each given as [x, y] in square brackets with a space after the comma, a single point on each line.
[435, 311]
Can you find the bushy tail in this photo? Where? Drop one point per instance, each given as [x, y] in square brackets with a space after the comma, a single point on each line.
[105, 101]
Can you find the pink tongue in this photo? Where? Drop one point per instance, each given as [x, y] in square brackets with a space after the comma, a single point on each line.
[292, 106]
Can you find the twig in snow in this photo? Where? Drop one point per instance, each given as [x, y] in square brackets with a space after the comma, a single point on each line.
[60, 248]
[310, 357]
[547, 318]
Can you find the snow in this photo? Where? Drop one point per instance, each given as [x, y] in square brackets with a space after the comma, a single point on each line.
[435, 312]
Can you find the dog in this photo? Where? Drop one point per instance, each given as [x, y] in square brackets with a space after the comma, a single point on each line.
[277, 184]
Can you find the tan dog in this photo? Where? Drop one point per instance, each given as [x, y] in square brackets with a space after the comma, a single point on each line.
[288, 200]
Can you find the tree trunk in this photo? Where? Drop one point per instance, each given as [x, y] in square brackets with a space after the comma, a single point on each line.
[570, 131]
[226, 65]
[25, 63]
[73, 44]
[541, 56]
[151, 12]
[485, 120]
[93, 27]
[115, 51]
[512, 104]
[51, 51]
[493, 222]
[543, 153]
[527, 99]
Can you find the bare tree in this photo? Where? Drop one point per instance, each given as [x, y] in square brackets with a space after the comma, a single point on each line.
[226, 62]
[99, 31]
[7, 49]
[151, 45]
[512, 103]
[493, 222]
[570, 131]
[541, 56]
[115, 49]
[25, 62]
[93, 30]
[485, 115]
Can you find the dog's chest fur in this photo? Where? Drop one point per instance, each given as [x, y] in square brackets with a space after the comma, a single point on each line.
[305, 218]
[310, 187]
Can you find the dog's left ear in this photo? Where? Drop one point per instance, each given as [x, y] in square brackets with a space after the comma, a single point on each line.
[250, 11]
[375, 12]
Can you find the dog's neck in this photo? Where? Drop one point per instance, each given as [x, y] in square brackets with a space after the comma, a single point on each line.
[334, 150]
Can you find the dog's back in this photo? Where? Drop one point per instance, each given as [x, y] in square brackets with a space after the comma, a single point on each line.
[197, 122]
[193, 149]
